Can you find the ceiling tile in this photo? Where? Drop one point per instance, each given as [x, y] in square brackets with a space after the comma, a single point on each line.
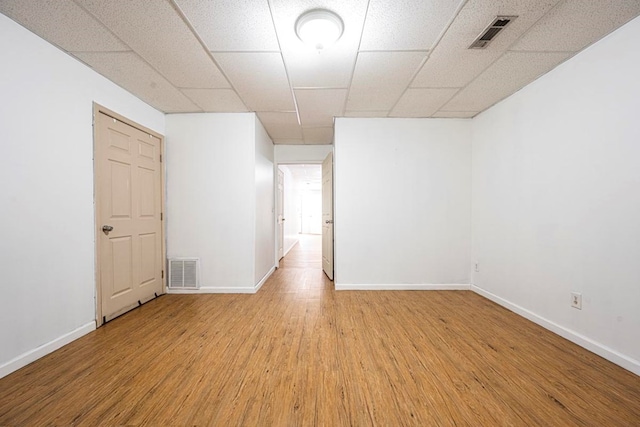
[323, 135]
[332, 67]
[216, 100]
[132, 73]
[421, 102]
[63, 23]
[150, 48]
[232, 25]
[406, 24]
[160, 36]
[453, 64]
[380, 78]
[281, 125]
[507, 75]
[366, 114]
[455, 114]
[260, 79]
[318, 107]
[571, 25]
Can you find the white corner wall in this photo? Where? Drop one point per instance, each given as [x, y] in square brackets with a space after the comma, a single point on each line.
[265, 243]
[402, 203]
[556, 199]
[46, 192]
[220, 198]
[211, 196]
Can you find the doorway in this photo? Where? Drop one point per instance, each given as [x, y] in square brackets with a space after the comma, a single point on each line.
[128, 179]
[301, 203]
[301, 206]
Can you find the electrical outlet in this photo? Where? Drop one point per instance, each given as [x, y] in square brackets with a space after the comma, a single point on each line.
[477, 267]
[576, 300]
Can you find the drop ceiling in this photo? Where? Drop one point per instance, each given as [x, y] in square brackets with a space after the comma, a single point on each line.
[396, 58]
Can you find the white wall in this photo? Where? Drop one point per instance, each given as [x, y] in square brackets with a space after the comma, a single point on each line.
[265, 205]
[46, 192]
[402, 203]
[211, 196]
[556, 199]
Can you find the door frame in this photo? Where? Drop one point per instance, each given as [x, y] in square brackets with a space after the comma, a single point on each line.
[97, 109]
[276, 164]
[330, 159]
[279, 216]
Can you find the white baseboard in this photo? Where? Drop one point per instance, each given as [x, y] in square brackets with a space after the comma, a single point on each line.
[290, 247]
[264, 279]
[401, 287]
[225, 289]
[575, 337]
[35, 354]
[215, 290]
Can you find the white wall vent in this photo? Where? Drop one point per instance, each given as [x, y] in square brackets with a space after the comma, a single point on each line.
[183, 273]
[492, 30]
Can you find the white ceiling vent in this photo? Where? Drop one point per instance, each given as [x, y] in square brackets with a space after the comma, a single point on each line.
[492, 30]
[183, 273]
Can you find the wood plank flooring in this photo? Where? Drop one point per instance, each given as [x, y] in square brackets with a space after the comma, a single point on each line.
[298, 353]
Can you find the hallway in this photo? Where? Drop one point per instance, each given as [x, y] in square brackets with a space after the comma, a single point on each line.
[298, 353]
[307, 253]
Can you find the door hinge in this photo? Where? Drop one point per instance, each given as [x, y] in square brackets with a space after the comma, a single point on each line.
[163, 274]
[160, 158]
[161, 216]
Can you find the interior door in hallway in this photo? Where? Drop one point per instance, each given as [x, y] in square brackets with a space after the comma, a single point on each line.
[128, 176]
[327, 216]
[280, 214]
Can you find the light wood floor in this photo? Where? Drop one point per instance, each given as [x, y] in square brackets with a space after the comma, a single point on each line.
[299, 353]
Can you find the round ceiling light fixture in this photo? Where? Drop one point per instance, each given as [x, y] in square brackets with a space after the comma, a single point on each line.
[319, 28]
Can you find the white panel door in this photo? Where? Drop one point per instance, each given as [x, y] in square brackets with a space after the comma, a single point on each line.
[128, 215]
[327, 216]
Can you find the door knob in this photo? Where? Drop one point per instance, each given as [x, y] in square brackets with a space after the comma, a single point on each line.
[107, 229]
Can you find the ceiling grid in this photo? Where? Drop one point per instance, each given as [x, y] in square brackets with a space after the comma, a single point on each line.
[395, 58]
